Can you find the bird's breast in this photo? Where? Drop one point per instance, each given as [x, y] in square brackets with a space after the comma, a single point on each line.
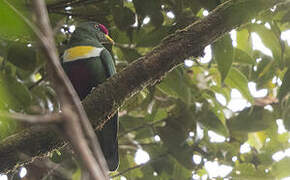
[85, 74]
[80, 78]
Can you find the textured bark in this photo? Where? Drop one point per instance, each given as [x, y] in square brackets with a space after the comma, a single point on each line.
[146, 71]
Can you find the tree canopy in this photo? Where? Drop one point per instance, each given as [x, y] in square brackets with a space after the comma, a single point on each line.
[202, 88]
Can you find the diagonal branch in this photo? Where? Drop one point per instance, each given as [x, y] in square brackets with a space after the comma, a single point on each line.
[144, 72]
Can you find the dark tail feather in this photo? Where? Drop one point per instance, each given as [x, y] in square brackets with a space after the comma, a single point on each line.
[109, 142]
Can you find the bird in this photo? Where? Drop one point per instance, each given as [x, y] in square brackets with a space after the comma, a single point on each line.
[87, 63]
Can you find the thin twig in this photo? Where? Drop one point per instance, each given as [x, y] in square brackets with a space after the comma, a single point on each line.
[59, 25]
[4, 60]
[82, 16]
[141, 127]
[63, 4]
[34, 119]
[140, 165]
[129, 169]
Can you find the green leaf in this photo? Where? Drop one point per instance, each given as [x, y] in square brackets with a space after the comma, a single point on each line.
[77, 174]
[12, 26]
[135, 101]
[285, 87]
[56, 156]
[55, 19]
[250, 172]
[160, 114]
[226, 92]
[286, 17]
[208, 119]
[286, 116]
[277, 143]
[175, 133]
[241, 56]
[281, 168]
[22, 56]
[157, 18]
[13, 94]
[208, 4]
[174, 85]
[174, 138]
[243, 41]
[257, 139]
[223, 55]
[237, 80]
[129, 122]
[251, 120]
[44, 98]
[180, 172]
[265, 70]
[144, 133]
[7, 127]
[287, 55]
[148, 8]
[126, 161]
[123, 17]
[165, 164]
[156, 115]
[119, 36]
[148, 172]
[149, 38]
[172, 135]
[269, 39]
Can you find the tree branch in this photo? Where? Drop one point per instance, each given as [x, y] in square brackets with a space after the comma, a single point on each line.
[141, 127]
[144, 72]
[82, 16]
[34, 119]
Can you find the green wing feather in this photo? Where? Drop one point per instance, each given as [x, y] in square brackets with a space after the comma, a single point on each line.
[108, 135]
[108, 62]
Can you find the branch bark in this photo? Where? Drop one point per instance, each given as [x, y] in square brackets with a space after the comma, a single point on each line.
[144, 72]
